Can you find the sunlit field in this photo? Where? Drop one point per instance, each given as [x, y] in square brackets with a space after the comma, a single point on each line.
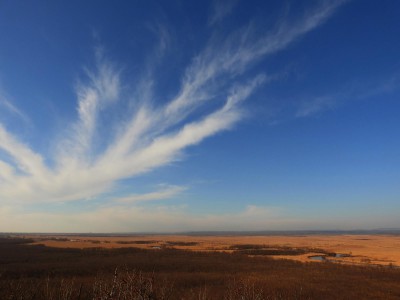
[198, 267]
[349, 249]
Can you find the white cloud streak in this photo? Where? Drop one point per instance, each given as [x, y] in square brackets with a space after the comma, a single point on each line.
[166, 193]
[315, 106]
[12, 108]
[154, 135]
[221, 9]
[352, 92]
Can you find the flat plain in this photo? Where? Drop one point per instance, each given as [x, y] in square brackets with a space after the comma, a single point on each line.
[361, 249]
[199, 267]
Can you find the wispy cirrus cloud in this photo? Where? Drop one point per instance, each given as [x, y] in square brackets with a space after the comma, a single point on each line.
[152, 135]
[315, 106]
[351, 93]
[162, 194]
[10, 107]
[221, 9]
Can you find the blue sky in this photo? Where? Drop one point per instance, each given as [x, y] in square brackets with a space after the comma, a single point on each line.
[199, 115]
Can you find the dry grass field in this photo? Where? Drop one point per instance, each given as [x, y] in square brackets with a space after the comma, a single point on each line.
[199, 267]
[350, 249]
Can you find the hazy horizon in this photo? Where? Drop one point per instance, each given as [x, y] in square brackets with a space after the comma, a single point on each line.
[295, 232]
[187, 116]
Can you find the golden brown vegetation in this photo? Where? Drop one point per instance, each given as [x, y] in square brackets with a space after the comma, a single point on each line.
[39, 272]
[353, 249]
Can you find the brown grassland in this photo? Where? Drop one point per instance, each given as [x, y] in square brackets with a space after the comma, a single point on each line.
[355, 249]
[199, 267]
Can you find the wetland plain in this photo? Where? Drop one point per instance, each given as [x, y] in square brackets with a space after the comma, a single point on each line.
[156, 266]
